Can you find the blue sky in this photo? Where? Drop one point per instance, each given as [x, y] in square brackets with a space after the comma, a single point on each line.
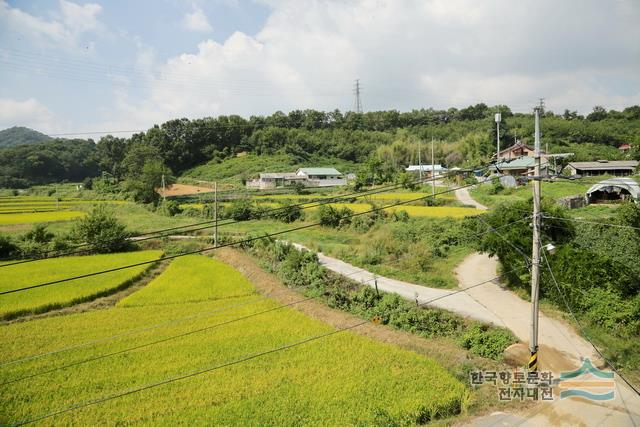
[81, 66]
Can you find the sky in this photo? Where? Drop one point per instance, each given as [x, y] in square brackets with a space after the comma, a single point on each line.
[108, 66]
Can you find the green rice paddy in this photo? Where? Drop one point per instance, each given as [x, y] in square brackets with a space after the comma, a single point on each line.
[341, 379]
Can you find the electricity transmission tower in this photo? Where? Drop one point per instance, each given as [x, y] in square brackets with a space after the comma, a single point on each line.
[358, 101]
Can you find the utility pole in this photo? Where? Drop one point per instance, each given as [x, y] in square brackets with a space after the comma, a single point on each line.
[164, 198]
[498, 118]
[420, 160]
[535, 267]
[358, 102]
[215, 214]
[433, 171]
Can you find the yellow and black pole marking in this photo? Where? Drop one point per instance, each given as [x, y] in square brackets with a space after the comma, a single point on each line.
[533, 361]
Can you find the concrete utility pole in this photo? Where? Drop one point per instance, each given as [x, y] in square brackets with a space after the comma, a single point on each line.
[164, 198]
[498, 118]
[535, 267]
[420, 160]
[215, 214]
[433, 170]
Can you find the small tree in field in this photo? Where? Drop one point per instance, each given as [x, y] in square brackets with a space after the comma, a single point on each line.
[102, 231]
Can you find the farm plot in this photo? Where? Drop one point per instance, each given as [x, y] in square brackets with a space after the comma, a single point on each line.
[27, 209]
[418, 211]
[342, 379]
[34, 217]
[189, 279]
[64, 294]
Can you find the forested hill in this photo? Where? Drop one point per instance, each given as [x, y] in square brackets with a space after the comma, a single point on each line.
[374, 141]
[18, 135]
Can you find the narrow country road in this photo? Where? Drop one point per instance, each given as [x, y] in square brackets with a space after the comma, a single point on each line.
[462, 194]
[459, 302]
[561, 348]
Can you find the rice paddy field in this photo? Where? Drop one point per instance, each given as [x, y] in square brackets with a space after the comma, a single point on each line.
[35, 209]
[64, 294]
[36, 217]
[341, 379]
[412, 210]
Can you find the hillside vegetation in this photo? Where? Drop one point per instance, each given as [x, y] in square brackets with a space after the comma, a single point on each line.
[377, 145]
[18, 135]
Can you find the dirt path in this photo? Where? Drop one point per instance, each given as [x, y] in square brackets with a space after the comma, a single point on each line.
[561, 349]
[462, 194]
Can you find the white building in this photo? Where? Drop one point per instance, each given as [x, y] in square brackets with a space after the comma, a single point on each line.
[429, 170]
[309, 177]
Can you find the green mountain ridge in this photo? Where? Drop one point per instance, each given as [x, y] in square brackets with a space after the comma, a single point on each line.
[18, 135]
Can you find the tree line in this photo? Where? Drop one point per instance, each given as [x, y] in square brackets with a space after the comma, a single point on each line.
[465, 137]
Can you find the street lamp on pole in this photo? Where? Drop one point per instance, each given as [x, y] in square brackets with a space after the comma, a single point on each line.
[498, 119]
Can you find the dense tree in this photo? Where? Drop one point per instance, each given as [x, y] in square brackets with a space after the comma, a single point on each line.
[182, 143]
[598, 113]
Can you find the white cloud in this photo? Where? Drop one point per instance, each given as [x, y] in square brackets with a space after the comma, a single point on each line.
[66, 29]
[80, 18]
[408, 54]
[29, 113]
[196, 20]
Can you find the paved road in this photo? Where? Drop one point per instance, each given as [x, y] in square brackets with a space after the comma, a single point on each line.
[561, 348]
[458, 302]
[462, 194]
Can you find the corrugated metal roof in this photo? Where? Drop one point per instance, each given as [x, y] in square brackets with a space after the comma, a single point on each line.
[277, 175]
[319, 171]
[518, 163]
[614, 184]
[606, 165]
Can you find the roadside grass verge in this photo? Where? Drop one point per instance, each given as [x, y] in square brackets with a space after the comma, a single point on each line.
[39, 300]
[343, 379]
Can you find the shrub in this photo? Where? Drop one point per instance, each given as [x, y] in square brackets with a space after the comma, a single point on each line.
[487, 342]
[87, 184]
[287, 213]
[7, 248]
[333, 217]
[170, 208]
[240, 210]
[400, 216]
[102, 231]
[38, 234]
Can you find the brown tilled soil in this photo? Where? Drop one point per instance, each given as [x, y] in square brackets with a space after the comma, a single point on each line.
[184, 190]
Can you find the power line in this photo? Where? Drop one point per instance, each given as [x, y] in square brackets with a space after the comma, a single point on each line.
[212, 223]
[248, 240]
[199, 315]
[239, 360]
[202, 314]
[148, 344]
[582, 331]
[594, 222]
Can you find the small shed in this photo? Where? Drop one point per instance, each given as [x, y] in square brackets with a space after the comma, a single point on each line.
[614, 189]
